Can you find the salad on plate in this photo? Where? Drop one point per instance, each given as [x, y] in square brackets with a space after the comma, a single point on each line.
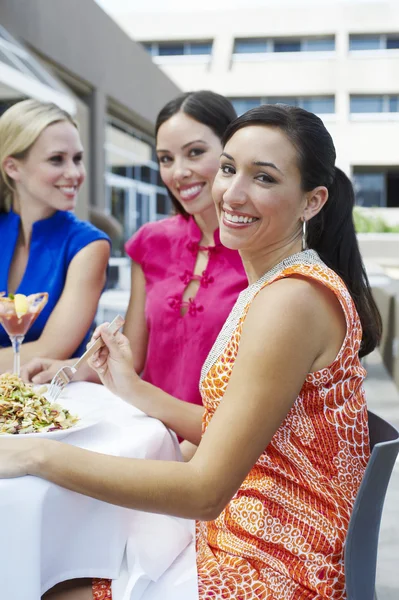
[24, 410]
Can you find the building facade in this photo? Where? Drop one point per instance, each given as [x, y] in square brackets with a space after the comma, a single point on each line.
[338, 58]
[72, 53]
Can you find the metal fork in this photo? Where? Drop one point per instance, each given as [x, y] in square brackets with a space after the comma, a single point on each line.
[66, 373]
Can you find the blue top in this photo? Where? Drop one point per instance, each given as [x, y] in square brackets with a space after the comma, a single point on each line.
[55, 241]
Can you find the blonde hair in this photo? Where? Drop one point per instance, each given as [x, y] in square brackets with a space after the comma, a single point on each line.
[20, 126]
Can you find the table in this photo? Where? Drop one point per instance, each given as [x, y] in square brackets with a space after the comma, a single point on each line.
[50, 534]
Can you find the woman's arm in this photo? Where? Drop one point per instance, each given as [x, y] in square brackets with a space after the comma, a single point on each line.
[42, 370]
[290, 328]
[135, 328]
[75, 310]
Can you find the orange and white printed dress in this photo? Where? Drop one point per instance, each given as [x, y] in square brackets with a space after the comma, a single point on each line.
[282, 535]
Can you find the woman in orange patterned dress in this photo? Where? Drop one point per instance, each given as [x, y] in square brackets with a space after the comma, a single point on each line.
[284, 437]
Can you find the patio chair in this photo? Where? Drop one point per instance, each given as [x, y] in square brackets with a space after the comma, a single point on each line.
[362, 538]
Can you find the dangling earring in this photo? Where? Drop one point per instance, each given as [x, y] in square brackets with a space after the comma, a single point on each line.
[304, 234]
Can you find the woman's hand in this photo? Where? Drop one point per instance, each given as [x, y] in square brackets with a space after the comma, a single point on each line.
[113, 363]
[18, 456]
[42, 370]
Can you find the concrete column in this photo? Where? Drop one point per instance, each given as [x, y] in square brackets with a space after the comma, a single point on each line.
[96, 165]
[83, 118]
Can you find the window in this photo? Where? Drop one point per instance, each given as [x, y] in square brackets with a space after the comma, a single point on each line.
[326, 44]
[393, 103]
[183, 48]
[199, 48]
[364, 42]
[321, 105]
[373, 42]
[392, 42]
[316, 104]
[262, 45]
[135, 192]
[241, 105]
[374, 104]
[164, 205]
[290, 100]
[287, 46]
[369, 189]
[14, 55]
[250, 46]
[8, 59]
[171, 49]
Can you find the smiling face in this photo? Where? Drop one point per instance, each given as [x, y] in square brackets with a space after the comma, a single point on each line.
[52, 172]
[188, 154]
[258, 193]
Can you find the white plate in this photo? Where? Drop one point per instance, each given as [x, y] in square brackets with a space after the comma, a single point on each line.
[59, 434]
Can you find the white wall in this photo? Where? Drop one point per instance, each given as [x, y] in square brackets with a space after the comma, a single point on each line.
[360, 139]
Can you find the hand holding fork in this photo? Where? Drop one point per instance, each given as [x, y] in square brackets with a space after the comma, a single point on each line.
[66, 373]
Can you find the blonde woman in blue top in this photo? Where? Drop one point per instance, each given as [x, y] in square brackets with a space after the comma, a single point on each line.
[45, 248]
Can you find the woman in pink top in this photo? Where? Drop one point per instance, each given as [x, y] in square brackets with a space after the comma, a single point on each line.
[184, 282]
[185, 304]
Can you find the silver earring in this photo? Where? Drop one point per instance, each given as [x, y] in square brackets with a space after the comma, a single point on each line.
[304, 235]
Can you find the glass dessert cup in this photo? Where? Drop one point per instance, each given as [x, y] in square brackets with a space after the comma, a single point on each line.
[17, 314]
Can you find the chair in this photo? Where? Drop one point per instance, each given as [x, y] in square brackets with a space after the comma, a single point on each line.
[364, 526]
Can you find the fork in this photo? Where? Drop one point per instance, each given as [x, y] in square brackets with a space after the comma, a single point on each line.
[66, 373]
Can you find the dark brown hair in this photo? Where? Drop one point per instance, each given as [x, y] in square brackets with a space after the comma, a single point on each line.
[331, 232]
[208, 108]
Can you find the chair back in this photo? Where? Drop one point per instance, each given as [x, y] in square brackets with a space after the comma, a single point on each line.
[362, 538]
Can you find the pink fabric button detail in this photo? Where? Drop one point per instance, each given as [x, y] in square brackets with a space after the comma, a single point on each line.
[176, 303]
[194, 248]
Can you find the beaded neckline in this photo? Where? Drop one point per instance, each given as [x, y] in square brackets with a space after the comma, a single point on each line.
[307, 257]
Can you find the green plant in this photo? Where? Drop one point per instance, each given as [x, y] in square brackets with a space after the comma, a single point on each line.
[369, 223]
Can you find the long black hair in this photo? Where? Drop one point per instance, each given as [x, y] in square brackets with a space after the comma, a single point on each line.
[331, 232]
[208, 108]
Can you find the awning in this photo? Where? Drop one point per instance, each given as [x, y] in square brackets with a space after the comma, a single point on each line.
[22, 76]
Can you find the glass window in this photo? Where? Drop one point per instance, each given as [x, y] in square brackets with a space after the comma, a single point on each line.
[364, 42]
[122, 171]
[392, 42]
[259, 45]
[287, 46]
[326, 44]
[176, 49]
[149, 47]
[321, 105]
[143, 209]
[119, 204]
[164, 205]
[135, 191]
[159, 180]
[393, 103]
[241, 105]
[35, 70]
[369, 189]
[366, 104]
[8, 59]
[5, 104]
[199, 48]
[5, 35]
[250, 46]
[290, 100]
[145, 174]
[317, 104]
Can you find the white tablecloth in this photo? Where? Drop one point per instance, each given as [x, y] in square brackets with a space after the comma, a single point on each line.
[50, 534]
